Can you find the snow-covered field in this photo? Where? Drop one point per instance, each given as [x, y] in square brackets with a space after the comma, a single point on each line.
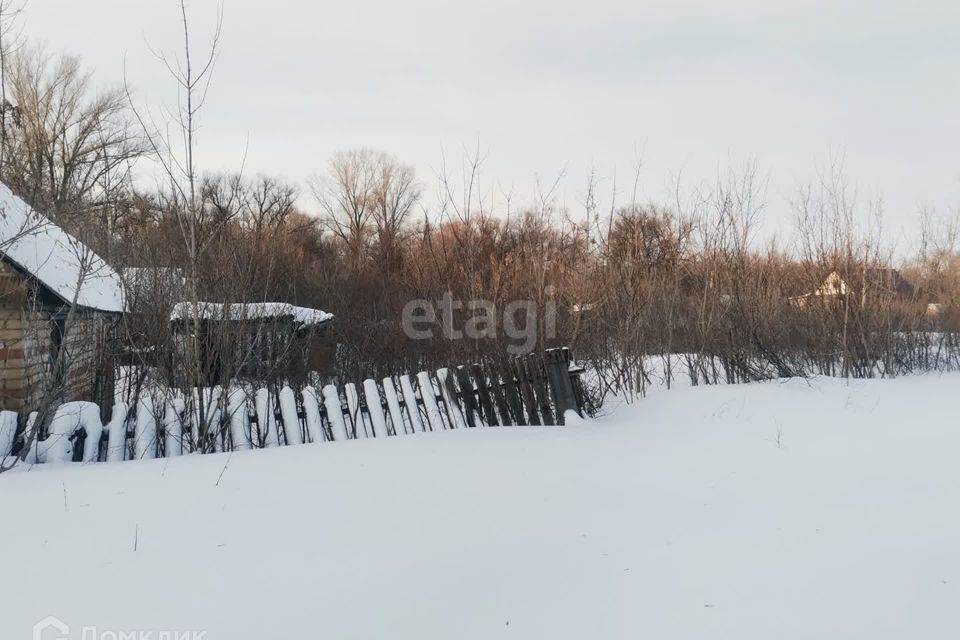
[798, 509]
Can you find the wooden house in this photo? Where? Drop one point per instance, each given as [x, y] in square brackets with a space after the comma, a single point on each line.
[860, 288]
[60, 305]
[263, 342]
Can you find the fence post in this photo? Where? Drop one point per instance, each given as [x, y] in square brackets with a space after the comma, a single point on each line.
[557, 364]
[584, 405]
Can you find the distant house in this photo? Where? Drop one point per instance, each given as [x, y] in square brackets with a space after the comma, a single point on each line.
[56, 296]
[263, 341]
[935, 309]
[872, 283]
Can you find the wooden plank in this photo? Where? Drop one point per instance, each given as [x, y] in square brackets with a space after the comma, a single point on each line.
[511, 391]
[301, 415]
[325, 419]
[266, 419]
[526, 390]
[288, 413]
[145, 430]
[311, 414]
[357, 426]
[239, 418]
[173, 428]
[429, 397]
[409, 401]
[378, 421]
[483, 391]
[468, 397]
[397, 426]
[451, 399]
[500, 400]
[117, 430]
[221, 439]
[539, 380]
[364, 411]
[335, 416]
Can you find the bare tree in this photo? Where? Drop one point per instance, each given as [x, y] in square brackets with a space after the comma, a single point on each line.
[396, 193]
[72, 148]
[179, 165]
[10, 42]
[348, 200]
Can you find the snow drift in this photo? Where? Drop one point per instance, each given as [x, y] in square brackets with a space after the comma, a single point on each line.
[781, 510]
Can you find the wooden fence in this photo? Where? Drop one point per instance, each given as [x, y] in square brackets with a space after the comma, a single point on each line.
[530, 390]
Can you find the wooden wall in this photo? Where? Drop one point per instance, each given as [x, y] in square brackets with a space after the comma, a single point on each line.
[26, 351]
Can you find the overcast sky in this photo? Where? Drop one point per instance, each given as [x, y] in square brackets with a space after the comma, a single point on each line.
[547, 86]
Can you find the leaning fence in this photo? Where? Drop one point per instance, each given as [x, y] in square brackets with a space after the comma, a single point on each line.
[538, 389]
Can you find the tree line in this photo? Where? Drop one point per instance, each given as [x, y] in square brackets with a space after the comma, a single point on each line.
[637, 289]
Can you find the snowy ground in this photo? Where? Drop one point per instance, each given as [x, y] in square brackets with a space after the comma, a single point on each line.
[816, 509]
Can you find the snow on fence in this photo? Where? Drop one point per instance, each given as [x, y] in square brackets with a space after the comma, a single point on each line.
[531, 390]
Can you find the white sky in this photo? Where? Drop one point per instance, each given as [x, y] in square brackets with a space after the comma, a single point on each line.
[551, 85]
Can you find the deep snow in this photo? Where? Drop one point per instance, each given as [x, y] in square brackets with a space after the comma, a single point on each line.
[798, 509]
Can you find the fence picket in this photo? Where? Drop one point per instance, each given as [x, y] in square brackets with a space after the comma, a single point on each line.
[220, 440]
[510, 389]
[429, 397]
[239, 417]
[378, 420]
[145, 431]
[410, 403]
[359, 426]
[8, 432]
[393, 406]
[331, 401]
[468, 397]
[451, 399]
[483, 391]
[311, 413]
[117, 433]
[539, 381]
[291, 421]
[173, 427]
[266, 419]
[526, 390]
[211, 417]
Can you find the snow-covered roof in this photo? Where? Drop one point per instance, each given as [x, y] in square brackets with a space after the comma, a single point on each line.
[60, 262]
[250, 311]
